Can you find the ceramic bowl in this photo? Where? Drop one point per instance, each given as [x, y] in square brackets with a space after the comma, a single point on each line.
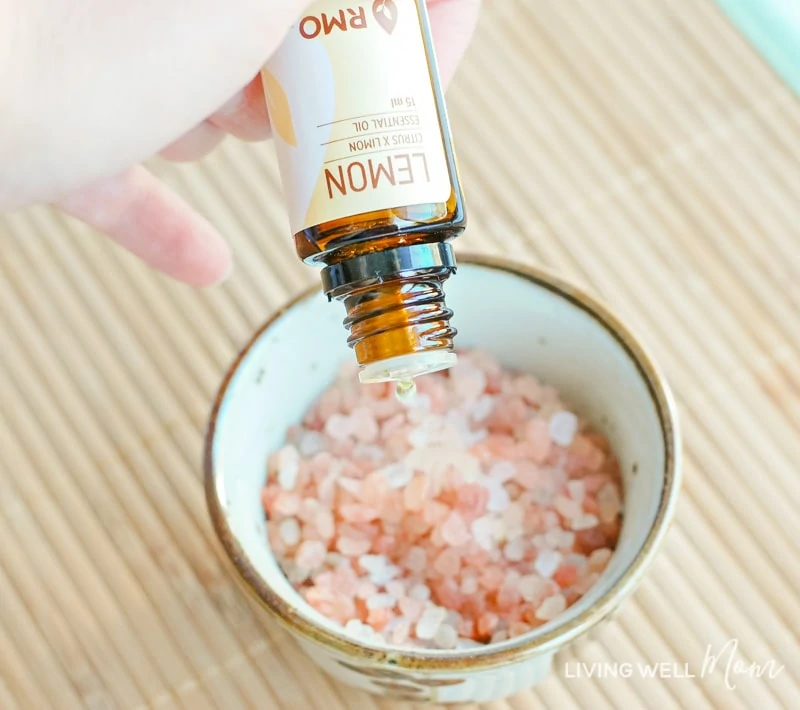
[532, 322]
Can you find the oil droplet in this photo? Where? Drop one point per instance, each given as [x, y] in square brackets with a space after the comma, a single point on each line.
[405, 391]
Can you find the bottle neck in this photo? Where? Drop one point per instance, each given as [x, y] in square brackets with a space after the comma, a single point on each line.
[397, 317]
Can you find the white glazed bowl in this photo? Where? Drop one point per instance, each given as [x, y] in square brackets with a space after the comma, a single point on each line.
[532, 322]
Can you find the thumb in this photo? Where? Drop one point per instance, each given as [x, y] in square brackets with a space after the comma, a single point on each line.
[106, 84]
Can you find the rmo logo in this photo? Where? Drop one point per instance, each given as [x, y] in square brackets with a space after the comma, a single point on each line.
[383, 11]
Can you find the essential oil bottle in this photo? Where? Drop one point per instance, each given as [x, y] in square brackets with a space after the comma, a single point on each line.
[370, 177]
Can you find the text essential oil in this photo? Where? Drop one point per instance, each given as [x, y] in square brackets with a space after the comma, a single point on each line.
[370, 176]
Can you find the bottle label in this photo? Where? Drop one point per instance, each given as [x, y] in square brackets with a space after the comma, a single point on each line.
[353, 112]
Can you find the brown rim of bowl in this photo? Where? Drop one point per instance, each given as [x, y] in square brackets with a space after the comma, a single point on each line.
[528, 645]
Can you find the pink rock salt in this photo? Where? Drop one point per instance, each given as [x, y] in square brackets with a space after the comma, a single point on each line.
[474, 514]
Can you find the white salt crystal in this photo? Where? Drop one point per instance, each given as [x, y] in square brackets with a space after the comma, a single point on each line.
[514, 551]
[584, 522]
[547, 562]
[339, 427]
[446, 637]
[563, 427]
[482, 532]
[381, 601]
[577, 490]
[502, 471]
[378, 569]
[419, 437]
[311, 443]
[483, 407]
[567, 507]
[288, 467]
[558, 538]
[551, 607]
[475, 437]
[430, 621]
[453, 618]
[289, 530]
[397, 474]
[420, 591]
[499, 499]
[530, 587]
[351, 485]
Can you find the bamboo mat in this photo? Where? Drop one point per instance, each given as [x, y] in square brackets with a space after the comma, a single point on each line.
[642, 149]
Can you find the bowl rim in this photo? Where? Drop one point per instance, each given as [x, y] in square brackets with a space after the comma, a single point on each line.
[419, 660]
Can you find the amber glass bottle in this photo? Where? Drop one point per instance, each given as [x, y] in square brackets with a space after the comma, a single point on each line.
[370, 177]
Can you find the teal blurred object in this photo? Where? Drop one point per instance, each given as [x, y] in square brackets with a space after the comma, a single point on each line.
[773, 27]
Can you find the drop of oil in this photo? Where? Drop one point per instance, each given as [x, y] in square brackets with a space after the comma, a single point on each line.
[405, 391]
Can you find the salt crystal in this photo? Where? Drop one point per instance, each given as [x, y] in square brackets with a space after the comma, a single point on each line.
[558, 538]
[576, 489]
[514, 551]
[365, 590]
[415, 493]
[287, 503]
[455, 531]
[420, 437]
[599, 559]
[429, 623]
[310, 554]
[289, 530]
[563, 427]
[288, 467]
[352, 547]
[397, 474]
[483, 408]
[417, 559]
[311, 443]
[503, 471]
[448, 562]
[499, 499]
[568, 507]
[364, 427]
[609, 503]
[446, 636]
[381, 601]
[469, 585]
[546, 563]
[352, 485]
[378, 568]
[530, 587]
[482, 532]
[584, 522]
[396, 588]
[401, 631]
[468, 381]
[324, 523]
[339, 427]
[420, 591]
[551, 607]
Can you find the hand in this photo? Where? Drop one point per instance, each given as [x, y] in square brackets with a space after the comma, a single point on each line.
[89, 89]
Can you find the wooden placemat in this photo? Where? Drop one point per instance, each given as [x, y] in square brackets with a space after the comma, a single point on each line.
[642, 149]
